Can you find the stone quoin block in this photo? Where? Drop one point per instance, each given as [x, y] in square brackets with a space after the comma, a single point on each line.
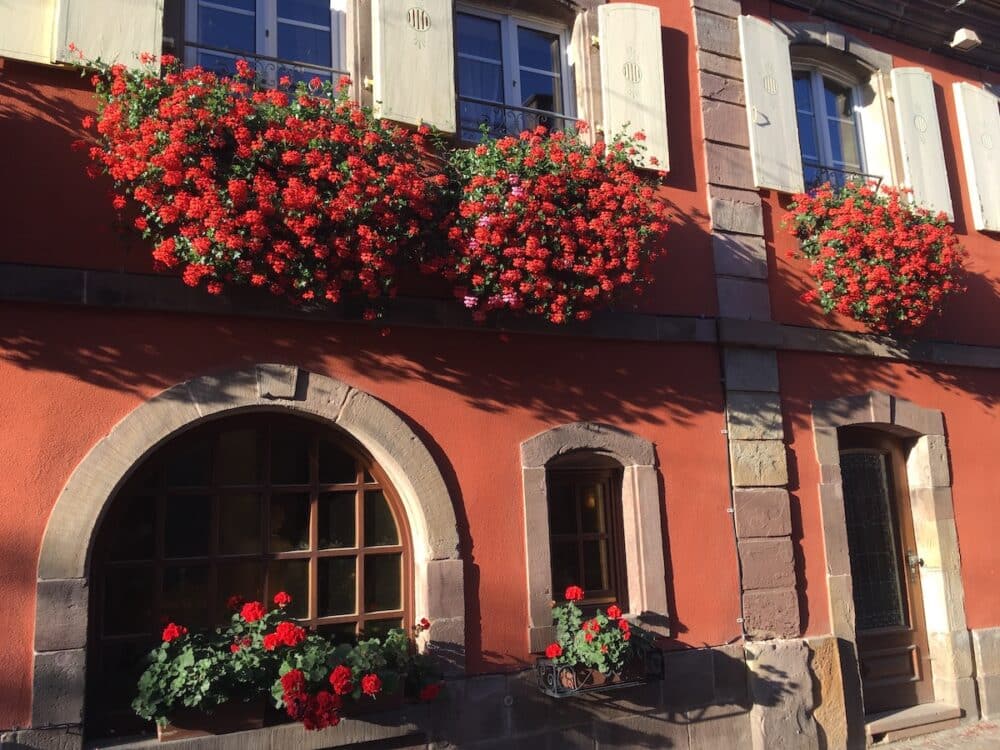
[767, 563]
[741, 217]
[750, 369]
[739, 255]
[754, 415]
[716, 34]
[725, 123]
[745, 299]
[61, 619]
[782, 692]
[771, 613]
[720, 88]
[762, 513]
[729, 166]
[758, 463]
[57, 690]
[719, 65]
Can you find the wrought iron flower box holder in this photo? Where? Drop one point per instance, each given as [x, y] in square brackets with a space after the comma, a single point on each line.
[566, 680]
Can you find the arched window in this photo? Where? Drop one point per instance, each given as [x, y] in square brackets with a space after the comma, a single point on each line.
[586, 538]
[247, 506]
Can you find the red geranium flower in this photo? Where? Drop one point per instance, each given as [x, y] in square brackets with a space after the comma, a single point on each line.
[172, 632]
[271, 641]
[234, 602]
[252, 611]
[341, 680]
[370, 684]
[574, 594]
[425, 624]
[282, 599]
[614, 612]
[553, 651]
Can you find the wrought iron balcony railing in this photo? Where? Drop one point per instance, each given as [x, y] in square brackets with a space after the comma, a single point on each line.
[815, 176]
[270, 69]
[504, 119]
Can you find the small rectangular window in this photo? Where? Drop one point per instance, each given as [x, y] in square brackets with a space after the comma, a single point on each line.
[512, 75]
[300, 39]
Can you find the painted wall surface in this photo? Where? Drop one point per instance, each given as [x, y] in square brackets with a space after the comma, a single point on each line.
[788, 277]
[66, 377]
[967, 397]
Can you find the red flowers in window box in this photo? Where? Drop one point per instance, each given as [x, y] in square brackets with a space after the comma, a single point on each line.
[300, 192]
[551, 226]
[875, 256]
[173, 632]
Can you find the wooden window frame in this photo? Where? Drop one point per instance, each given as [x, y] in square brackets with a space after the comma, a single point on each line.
[817, 76]
[615, 535]
[368, 477]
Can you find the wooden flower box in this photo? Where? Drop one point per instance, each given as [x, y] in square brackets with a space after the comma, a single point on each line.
[234, 716]
[565, 680]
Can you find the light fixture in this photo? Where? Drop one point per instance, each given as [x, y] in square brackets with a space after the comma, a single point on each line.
[965, 40]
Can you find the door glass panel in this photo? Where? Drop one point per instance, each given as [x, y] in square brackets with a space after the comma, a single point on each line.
[239, 524]
[188, 526]
[336, 519]
[289, 520]
[380, 526]
[337, 576]
[383, 582]
[871, 536]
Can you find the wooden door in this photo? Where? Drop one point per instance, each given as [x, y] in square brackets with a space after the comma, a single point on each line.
[891, 630]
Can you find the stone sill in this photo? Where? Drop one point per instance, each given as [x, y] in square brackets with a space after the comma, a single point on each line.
[908, 722]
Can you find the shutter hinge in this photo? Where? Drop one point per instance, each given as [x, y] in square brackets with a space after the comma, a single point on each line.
[368, 83]
[595, 41]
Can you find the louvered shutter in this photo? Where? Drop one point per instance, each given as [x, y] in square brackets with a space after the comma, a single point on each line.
[112, 30]
[920, 139]
[633, 94]
[979, 128]
[767, 79]
[413, 62]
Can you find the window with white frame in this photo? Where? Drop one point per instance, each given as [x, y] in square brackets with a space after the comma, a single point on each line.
[830, 137]
[295, 38]
[513, 73]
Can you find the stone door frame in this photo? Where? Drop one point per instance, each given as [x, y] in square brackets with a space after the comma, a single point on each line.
[62, 600]
[929, 481]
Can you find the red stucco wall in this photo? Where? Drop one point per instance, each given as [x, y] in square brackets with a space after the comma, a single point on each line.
[66, 377]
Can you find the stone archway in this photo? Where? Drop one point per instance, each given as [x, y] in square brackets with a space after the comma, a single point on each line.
[929, 481]
[62, 604]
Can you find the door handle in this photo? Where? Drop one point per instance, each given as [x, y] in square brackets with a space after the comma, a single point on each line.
[913, 561]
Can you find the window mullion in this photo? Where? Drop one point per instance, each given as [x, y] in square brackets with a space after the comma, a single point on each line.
[267, 28]
[512, 81]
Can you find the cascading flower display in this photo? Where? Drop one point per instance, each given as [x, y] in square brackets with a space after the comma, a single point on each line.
[875, 256]
[550, 225]
[299, 191]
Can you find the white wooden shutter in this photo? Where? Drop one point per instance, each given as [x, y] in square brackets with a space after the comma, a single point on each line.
[920, 139]
[767, 78]
[112, 30]
[26, 30]
[413, 62]
[979, 128]
[632, 88]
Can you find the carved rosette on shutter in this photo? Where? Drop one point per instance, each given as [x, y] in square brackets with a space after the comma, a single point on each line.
[979, 128]
[633, 95]
[920, 139]
[767, 79]
[413, 62]
[112, 30]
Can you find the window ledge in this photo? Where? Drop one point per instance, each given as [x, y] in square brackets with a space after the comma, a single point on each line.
[403, 722]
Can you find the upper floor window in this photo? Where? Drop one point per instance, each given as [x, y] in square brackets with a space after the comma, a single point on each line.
[512, 74]
[295, 38]
[829, 129]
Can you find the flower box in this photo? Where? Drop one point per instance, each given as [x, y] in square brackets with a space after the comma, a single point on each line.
[233, 716]
[565, 680]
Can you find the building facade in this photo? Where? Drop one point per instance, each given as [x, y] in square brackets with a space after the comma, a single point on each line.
[801, 510]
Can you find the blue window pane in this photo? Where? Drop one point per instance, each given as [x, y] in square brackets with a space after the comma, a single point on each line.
[807, 136]
[221, 28]
[480, 80]
[803, 92]
[838, 100]
[844, 143]
[309, 11]
[541, 92]
[303, 44]
[536, 49]
[479, 36]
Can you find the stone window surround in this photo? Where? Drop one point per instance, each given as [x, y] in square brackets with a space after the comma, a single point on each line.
[929, 482]
[62, 601]
[641, 518]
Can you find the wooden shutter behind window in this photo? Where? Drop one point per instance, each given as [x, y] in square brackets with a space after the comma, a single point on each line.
[413, 62]
[767, 78]
[632, 88]
[113, 30]
[979, 128]
[920, 139]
